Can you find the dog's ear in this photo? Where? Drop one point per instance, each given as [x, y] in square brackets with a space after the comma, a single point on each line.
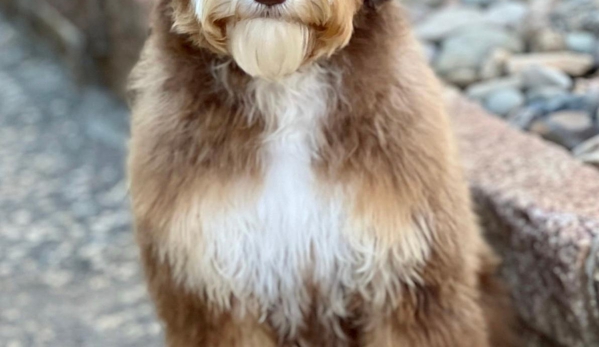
[373, 3]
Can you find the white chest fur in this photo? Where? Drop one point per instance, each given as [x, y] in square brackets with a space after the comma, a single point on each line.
[264, 248]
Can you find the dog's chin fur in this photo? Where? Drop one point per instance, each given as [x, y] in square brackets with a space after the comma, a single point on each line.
[268, 48]
[267, 45]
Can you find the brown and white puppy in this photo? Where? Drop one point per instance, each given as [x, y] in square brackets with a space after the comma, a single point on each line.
[295, 183]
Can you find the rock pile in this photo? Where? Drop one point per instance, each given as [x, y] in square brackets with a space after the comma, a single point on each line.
[533, 63]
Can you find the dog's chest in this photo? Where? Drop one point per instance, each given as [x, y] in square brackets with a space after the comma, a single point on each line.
[280, 246]
[271, 247]
[267, 242]
[290, 233]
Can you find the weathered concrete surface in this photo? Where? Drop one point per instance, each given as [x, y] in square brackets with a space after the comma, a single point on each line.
[540, 207]
[69, 273]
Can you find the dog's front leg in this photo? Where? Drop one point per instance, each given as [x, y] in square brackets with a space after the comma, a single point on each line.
[189, 321]
[428, 321]
[223, 331]
[440, 304]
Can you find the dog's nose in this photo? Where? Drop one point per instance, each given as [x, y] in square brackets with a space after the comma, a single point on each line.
[270, 2]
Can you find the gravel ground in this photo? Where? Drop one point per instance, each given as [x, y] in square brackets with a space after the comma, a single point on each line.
[69, 274]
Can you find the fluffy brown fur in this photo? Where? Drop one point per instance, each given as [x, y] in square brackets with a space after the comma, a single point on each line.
[386, 140]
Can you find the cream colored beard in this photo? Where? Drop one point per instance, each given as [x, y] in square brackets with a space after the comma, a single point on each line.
[268, 48]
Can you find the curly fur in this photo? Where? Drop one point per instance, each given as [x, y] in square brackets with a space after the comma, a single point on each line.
[320, 207]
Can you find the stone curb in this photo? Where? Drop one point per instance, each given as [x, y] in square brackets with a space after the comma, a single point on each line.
[540, 208]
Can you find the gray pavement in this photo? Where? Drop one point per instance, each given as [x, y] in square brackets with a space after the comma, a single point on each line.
[69, 273]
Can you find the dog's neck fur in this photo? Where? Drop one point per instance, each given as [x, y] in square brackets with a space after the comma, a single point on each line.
[365, 70]
[370, 49]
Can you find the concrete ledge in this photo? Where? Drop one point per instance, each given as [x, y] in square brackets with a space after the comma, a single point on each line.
[540, 208]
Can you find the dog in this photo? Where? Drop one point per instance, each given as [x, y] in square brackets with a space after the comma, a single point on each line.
[294, 182]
